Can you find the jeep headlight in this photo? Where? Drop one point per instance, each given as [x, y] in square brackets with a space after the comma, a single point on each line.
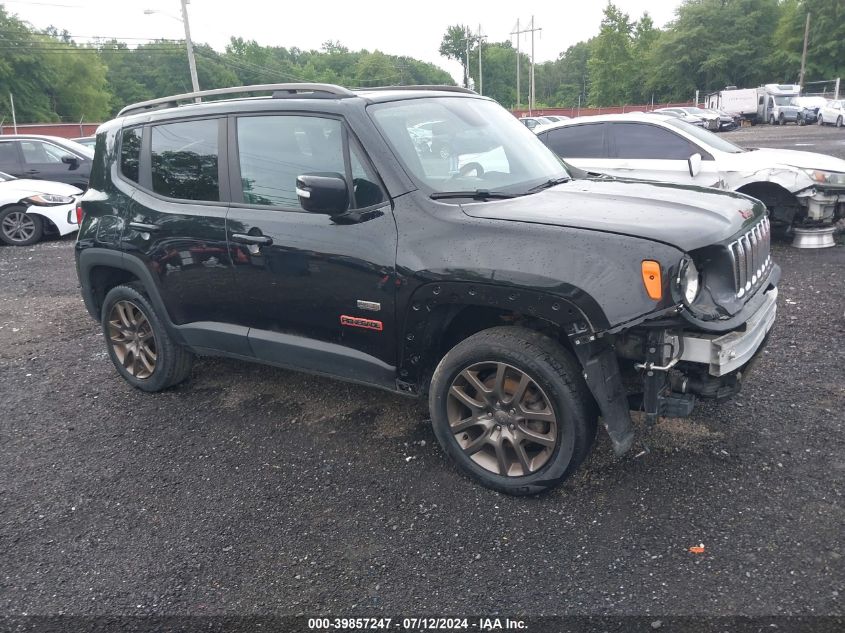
[826, 177]
[48, 199]
[689, 281]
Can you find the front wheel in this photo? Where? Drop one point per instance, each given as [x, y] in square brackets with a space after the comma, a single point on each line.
[139, 345]
[839, 122]
[801, 121]
[820, 121]
[781, 120]
[771, 119]
[19, 228]
[510, 407]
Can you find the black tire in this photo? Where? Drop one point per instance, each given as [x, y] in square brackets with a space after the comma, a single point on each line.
[172, 363]
[839, 122]
[553, 369]
[820, 121]
[772, 119]
[801, 121]
[14, 234]
[781, 120]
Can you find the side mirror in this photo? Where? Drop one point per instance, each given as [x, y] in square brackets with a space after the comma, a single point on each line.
[694, 164]
[324, 192]
[73, 161]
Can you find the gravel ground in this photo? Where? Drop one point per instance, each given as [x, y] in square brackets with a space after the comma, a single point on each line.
[255, 490]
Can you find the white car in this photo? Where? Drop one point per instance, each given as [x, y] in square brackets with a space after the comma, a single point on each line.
[833, 113]
[795, 186]
[695, 116]
[31, 208]
[532, 122]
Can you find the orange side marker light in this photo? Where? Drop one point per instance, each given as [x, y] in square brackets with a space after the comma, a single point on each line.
[652, 279]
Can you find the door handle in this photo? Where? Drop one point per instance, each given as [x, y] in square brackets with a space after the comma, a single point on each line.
[244, 238]
[146, 228]
[32, 172]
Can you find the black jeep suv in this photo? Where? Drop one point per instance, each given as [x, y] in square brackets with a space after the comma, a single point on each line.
[312, 229]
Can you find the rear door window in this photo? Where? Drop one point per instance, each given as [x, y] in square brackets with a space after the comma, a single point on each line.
[578, 141]
[645, 141]
[184, 159]
[41, 153]
[9, 156]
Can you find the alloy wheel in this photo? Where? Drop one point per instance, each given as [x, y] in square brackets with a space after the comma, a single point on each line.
[18, 226]
[132, 339]
[502, 419]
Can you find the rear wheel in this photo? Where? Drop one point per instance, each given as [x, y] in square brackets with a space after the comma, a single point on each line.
[839, 122]
[772, 119]
[781, 120]
[511, 409]
[138, 343]
[820, 121]
[19, 228]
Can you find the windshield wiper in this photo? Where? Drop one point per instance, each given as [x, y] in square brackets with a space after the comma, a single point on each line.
[549, 183]
[478, 194]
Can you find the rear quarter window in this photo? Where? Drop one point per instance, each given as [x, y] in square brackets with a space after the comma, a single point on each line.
[130, 154]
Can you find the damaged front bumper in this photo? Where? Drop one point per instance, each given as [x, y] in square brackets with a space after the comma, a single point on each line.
[661, 367]
[725, 353]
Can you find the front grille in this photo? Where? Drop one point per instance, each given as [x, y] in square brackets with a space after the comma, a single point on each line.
[751, 258]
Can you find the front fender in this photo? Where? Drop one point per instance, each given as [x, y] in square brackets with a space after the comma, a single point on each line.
[433, 305]
[792, 179]
[58, 215]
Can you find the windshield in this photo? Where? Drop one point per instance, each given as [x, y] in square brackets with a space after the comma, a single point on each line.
[716, 142]
[474, 144]
[785, 101]
[696, 111]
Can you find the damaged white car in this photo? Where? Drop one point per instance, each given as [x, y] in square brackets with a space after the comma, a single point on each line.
[31, 209]
[800, 189]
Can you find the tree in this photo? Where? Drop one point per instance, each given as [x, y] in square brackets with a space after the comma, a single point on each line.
[826, 45]
[454, 46]
[714, 43]
[644, 39]
[610, 60]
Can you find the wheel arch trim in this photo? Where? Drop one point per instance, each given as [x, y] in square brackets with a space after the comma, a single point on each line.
[93, 257]
[425, 318]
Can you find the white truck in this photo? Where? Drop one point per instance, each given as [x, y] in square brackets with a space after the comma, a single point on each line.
[733, 100]
[777, 104]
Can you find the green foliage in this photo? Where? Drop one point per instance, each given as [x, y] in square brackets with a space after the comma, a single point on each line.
[454, 45]
[498, 72]
[710, 44]
[54, 78]
[611, 61]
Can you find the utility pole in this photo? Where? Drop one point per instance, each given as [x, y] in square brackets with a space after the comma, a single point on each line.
[14, 120]
[481, 39]
[517, 32]
[192, 63]
[466, 68]
[804, 54]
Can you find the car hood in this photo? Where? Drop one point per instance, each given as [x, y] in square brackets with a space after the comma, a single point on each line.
[686, 217]
[765, 157]
[23, 188]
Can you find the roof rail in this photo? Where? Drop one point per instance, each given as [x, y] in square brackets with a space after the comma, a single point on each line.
[422, 87]
[322, 90]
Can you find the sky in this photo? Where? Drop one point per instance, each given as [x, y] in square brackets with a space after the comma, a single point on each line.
[396, 27]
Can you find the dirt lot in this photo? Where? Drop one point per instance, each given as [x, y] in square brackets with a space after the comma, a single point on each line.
[255, 490]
